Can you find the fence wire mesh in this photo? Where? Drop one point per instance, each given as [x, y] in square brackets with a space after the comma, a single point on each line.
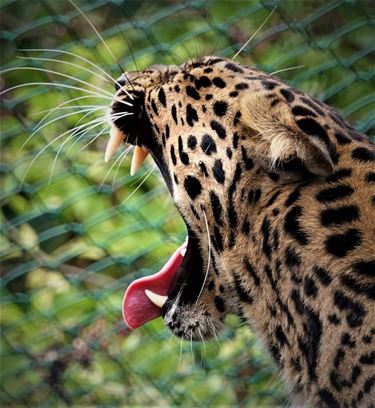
[76, 231]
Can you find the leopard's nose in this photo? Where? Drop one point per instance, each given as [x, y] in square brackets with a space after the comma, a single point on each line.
[121, 81]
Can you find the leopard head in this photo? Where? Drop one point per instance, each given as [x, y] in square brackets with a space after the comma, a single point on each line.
[221, 134]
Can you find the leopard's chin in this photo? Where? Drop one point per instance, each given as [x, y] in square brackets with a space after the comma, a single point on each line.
[184, 312]
[190, 322]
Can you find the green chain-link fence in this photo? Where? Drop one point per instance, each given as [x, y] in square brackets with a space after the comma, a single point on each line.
[76, 231]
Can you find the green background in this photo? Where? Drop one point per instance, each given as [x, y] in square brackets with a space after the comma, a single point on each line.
[76, 231]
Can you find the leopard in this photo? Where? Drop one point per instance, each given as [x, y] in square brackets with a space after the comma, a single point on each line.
[277, 192]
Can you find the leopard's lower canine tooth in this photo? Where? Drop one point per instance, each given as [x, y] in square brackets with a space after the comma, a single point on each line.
[115, 140]
[138, 158]
[157, 300]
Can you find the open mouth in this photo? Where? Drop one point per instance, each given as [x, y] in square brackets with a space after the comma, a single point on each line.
[145, 298]
[178, 282]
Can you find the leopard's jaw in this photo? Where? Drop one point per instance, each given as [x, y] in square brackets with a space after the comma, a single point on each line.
[283, 189]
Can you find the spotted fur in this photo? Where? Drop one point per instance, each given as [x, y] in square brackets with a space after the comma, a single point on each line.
[287, 189]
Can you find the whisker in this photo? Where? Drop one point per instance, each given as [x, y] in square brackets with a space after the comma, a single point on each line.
[118, 166]
[204, 344]
[116, 161]
[131, 52]
[52, 121]
[50, 71]
[49, 144]
[76, 56]
[65, 116]
[180, 358]
[66, 86]
[287, 69]
[91, 141]
[63, 144]
[51, 110]
[256, 32]
[78, 128]
[191, 347]
[214, 48]
[214, 332]
[72, 64]
[58, 107]
[132, 55]
[139, 177]
[66, 108]
[98, 34]
[188, 54]
[209, 256]
[148, 174]
[88, 113]
[119, 115]
[85, 131]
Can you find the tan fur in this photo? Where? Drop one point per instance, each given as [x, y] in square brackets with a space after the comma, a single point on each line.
[273, 232]
[279, 136]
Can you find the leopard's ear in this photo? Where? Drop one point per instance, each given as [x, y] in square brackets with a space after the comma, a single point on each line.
[281, 137]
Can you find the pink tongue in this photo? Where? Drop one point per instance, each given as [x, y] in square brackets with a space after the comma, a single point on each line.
[137, 309]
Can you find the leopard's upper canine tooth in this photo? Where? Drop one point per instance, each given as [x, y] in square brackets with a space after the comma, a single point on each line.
[138, 158]
[183, 251]
[115, 140]
[157, 300]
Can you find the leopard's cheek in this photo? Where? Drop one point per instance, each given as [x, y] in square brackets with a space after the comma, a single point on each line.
[190, 198]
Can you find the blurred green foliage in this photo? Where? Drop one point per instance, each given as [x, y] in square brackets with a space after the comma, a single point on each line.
[76, 231]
